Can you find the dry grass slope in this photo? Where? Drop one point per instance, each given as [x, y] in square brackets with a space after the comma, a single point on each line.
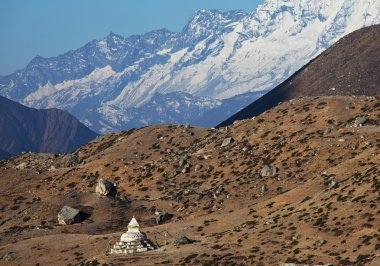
[315, 202]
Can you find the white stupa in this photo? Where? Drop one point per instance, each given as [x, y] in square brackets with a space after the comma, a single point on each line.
[132, 241]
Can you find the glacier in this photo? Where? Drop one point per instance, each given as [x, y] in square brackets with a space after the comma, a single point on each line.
[219, 63]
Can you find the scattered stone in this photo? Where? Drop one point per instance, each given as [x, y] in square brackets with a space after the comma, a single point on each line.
[334, 183]
[268, 170]
[52, 168]
[21, 166]
[186, 170]
[227, 141]
[105, 188]
[156, 145]
[219, 190]
[182, 163]
[198, 167]
[320, 242]
[183, 240]
[264, 188]
[9, 256]
[69, 215]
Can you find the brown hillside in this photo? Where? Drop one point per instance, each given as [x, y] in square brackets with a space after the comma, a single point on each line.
[321, 206]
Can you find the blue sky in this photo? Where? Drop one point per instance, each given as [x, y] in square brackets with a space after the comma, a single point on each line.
[51, 27]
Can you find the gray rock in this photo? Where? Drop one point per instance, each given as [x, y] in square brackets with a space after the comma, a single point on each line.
[327, 131]
[198, 167]
[219, 189]
[334, 183]
[186, 169]
[105, 188]
[162, 217]
[264, 188]
[156, 145]
[9, 256]
[182, 162]
[268, 170]
[227, 141]
[320, 242]
[21, 166]
[183, 240]
[360, 121]
[69, 160]
[69, 215]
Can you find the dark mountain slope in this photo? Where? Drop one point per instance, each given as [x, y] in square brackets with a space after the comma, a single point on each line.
[4, 155]
[28, 129]
[349, 67]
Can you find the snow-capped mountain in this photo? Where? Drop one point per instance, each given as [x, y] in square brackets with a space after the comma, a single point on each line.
[219, 59]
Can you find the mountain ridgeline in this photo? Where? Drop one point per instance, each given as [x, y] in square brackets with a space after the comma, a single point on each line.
[112, 83]
[26, 129]
[349, 67]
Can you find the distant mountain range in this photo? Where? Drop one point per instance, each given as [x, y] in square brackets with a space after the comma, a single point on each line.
[26, 129]
[349, 67]
[185, 77]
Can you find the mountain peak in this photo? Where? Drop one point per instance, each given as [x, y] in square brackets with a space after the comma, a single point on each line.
[218, 55]
[205, 22]
[114, 38]
[113, 35]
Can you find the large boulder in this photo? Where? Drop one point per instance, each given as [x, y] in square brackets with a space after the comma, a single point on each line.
[105, 188]
[162, 217]
[69, 215]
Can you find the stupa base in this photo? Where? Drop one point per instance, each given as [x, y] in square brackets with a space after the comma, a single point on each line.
[131, 247]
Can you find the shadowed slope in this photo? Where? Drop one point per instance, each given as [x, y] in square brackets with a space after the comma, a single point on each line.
[28, 129]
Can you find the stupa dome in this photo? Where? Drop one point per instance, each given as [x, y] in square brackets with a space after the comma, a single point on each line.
[133, 233]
